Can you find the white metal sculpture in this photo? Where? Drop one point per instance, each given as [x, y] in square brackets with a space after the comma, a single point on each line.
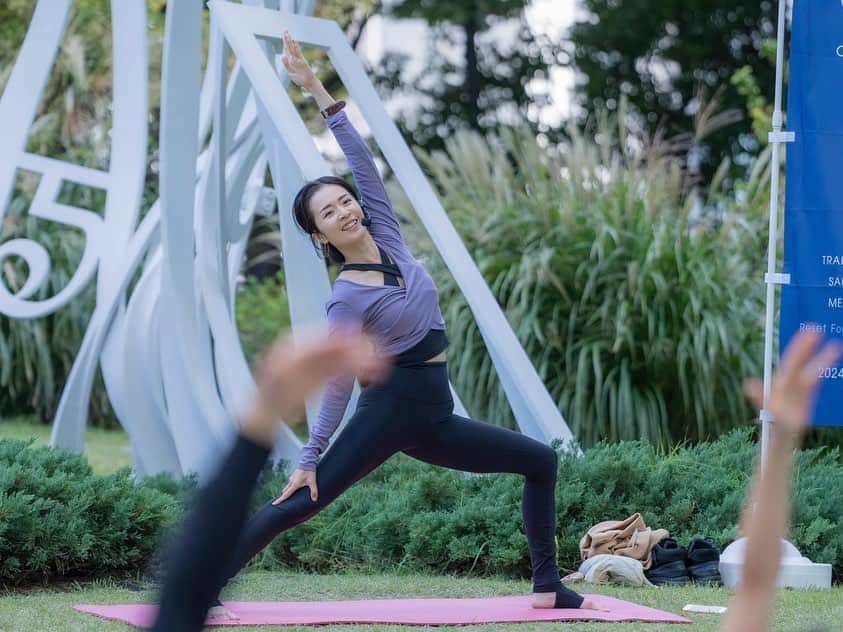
[170, 353]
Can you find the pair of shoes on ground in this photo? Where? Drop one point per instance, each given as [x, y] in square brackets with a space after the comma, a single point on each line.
[674, 565]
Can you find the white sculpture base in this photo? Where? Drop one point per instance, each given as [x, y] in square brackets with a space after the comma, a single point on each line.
[795, 571]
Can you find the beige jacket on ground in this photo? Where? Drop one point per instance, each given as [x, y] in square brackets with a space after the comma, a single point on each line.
[630, 538]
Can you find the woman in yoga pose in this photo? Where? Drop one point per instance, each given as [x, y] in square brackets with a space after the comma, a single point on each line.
[383, 291]
[398, 415]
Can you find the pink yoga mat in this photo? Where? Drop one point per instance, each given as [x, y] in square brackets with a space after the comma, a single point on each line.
[399, 611]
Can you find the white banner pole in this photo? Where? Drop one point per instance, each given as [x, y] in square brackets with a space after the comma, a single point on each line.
[772, 278]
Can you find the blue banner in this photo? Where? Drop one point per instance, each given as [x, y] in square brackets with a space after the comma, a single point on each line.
[813, 235]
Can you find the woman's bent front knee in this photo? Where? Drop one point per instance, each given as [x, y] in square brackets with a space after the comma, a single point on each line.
[546, 463]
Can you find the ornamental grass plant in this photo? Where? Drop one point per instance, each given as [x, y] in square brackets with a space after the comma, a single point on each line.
[638, 299]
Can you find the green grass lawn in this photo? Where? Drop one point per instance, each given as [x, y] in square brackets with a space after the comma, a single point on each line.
[53, 609]
[107, 450]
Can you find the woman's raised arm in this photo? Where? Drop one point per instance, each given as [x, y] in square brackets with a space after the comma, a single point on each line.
[373, 196]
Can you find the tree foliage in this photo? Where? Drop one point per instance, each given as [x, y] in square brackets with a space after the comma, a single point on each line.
[485, 83]
[668, 57]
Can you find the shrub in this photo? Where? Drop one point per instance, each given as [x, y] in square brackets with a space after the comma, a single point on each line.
[58, 519]
[410, 515]
[639, 310]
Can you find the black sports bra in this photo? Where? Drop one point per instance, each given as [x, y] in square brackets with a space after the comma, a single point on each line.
[390, 270]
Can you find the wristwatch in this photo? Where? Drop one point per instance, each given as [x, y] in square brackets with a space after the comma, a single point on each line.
[332, 109]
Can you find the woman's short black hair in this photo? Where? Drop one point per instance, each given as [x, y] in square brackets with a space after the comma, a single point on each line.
[306, 220]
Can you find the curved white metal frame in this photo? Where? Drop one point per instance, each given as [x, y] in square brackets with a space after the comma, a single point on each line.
[170, 354]
[534, 410]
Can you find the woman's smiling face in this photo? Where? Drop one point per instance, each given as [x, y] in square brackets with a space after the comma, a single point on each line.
[337, 214]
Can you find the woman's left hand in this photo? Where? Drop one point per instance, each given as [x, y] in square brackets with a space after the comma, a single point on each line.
[298, 69]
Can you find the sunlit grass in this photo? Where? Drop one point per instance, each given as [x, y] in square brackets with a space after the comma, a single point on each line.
[107, 450]
[52, 609]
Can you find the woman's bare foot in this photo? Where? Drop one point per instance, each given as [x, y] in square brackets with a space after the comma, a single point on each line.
[590, 604]
[221, 612]
[548, 600]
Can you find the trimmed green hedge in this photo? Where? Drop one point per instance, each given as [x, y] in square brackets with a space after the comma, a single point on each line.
[58, 519]
[411, 515]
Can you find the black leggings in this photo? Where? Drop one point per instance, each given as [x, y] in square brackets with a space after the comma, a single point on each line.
[413, 413]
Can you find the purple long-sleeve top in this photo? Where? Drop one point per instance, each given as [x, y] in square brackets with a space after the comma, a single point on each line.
[398, 317]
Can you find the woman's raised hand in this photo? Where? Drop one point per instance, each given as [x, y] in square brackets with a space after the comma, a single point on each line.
[796, 381]
[298, 69]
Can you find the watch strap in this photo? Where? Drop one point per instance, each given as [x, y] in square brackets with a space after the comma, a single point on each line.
[332, 109]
